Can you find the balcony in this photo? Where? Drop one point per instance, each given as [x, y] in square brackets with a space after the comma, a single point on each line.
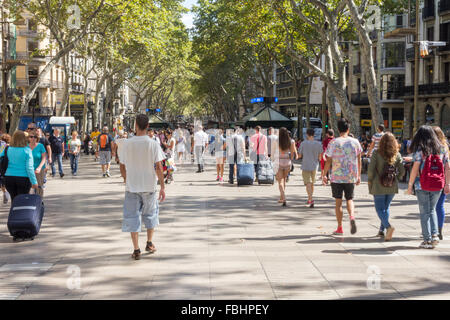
[427, 89]
[394, 91]
[357, 69]
[10, 93]
[360, 99]
[444, 6]
[428, 12]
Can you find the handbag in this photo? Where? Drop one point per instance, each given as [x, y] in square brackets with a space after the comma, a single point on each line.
[4, 163]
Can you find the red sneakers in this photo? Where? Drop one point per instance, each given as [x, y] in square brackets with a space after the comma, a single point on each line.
[338, 232]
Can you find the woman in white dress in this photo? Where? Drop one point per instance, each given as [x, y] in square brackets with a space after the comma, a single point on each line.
[181, 145]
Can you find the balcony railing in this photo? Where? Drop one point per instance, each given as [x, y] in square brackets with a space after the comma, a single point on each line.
[428, 12]
[360, 99]
[10, 93]
[444, 6]
[427, 89]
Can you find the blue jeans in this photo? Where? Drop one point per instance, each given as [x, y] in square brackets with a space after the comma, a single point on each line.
[74, 162]
[382, 204]
[58, 157]
[440, 211]
[427, 207]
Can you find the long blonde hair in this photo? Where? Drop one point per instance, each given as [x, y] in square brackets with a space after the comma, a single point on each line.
[441, 136]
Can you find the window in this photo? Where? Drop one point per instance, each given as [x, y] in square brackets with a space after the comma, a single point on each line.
[394, 54]
[399, 21]
[430, 34]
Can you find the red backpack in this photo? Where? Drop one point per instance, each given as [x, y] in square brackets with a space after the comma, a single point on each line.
[432, 177]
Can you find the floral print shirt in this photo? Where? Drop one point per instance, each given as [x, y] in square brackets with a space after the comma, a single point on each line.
[344, 153]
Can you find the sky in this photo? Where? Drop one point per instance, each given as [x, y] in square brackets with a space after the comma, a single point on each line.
[188, 18]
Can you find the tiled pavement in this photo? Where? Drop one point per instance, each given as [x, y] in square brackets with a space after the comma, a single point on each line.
[218, 242]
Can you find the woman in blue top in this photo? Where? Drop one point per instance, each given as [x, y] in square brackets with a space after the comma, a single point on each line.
[20, 176]
[39, 157]
[424, 144]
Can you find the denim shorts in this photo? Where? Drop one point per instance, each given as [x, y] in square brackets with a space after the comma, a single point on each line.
[137, 207]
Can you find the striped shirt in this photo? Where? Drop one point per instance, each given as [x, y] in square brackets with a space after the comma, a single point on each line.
[376, 138]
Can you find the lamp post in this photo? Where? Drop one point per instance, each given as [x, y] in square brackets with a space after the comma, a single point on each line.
[416, 72]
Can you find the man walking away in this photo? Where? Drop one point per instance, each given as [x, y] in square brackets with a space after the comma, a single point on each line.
[104, 145]
[200, 145]
[344, 155]
[259, 147]
[310, 151]
[376, 140]
[140, 155]
[57, 146]
[235, 152]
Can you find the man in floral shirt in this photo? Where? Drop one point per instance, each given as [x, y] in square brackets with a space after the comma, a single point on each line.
[344, 154]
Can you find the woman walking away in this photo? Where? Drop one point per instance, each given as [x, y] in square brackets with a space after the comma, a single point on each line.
[429, 175]
[39, 157]
[220, 153]
[385, 170]
[19, 177]
[74, 152]
[440, 211]
[286, 154]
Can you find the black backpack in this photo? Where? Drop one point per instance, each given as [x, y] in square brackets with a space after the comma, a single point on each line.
[388, 175]
[4, 163]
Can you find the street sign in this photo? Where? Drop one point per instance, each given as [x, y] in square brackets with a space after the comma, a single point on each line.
[397, 123]
[366, 123]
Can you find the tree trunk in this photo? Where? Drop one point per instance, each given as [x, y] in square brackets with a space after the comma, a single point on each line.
[66, 94]
[368, 66]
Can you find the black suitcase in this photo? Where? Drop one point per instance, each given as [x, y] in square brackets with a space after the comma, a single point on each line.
[245, 174]
[265, 172]
[25, 216]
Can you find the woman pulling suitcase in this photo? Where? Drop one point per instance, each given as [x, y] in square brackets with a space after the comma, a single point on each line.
[19, 176]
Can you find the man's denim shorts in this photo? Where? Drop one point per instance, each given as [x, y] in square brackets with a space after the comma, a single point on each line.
[139, 204]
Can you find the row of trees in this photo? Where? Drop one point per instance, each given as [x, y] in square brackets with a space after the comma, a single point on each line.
[237, 43]
[140, 42]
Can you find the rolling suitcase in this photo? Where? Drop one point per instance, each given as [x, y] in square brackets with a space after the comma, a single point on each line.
[265, 172]
[25, 216]
[245, 174]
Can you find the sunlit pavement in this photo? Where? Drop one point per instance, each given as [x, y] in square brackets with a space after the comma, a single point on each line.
[218, 242]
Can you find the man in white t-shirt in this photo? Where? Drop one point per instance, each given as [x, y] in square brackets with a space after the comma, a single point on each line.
[200, 145]
[141, 158]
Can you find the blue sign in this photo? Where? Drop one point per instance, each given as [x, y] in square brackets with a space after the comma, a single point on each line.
[158, 110]
[257, 100]
[264, 99]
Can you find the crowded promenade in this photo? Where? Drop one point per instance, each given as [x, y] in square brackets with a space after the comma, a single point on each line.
[218, 240]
